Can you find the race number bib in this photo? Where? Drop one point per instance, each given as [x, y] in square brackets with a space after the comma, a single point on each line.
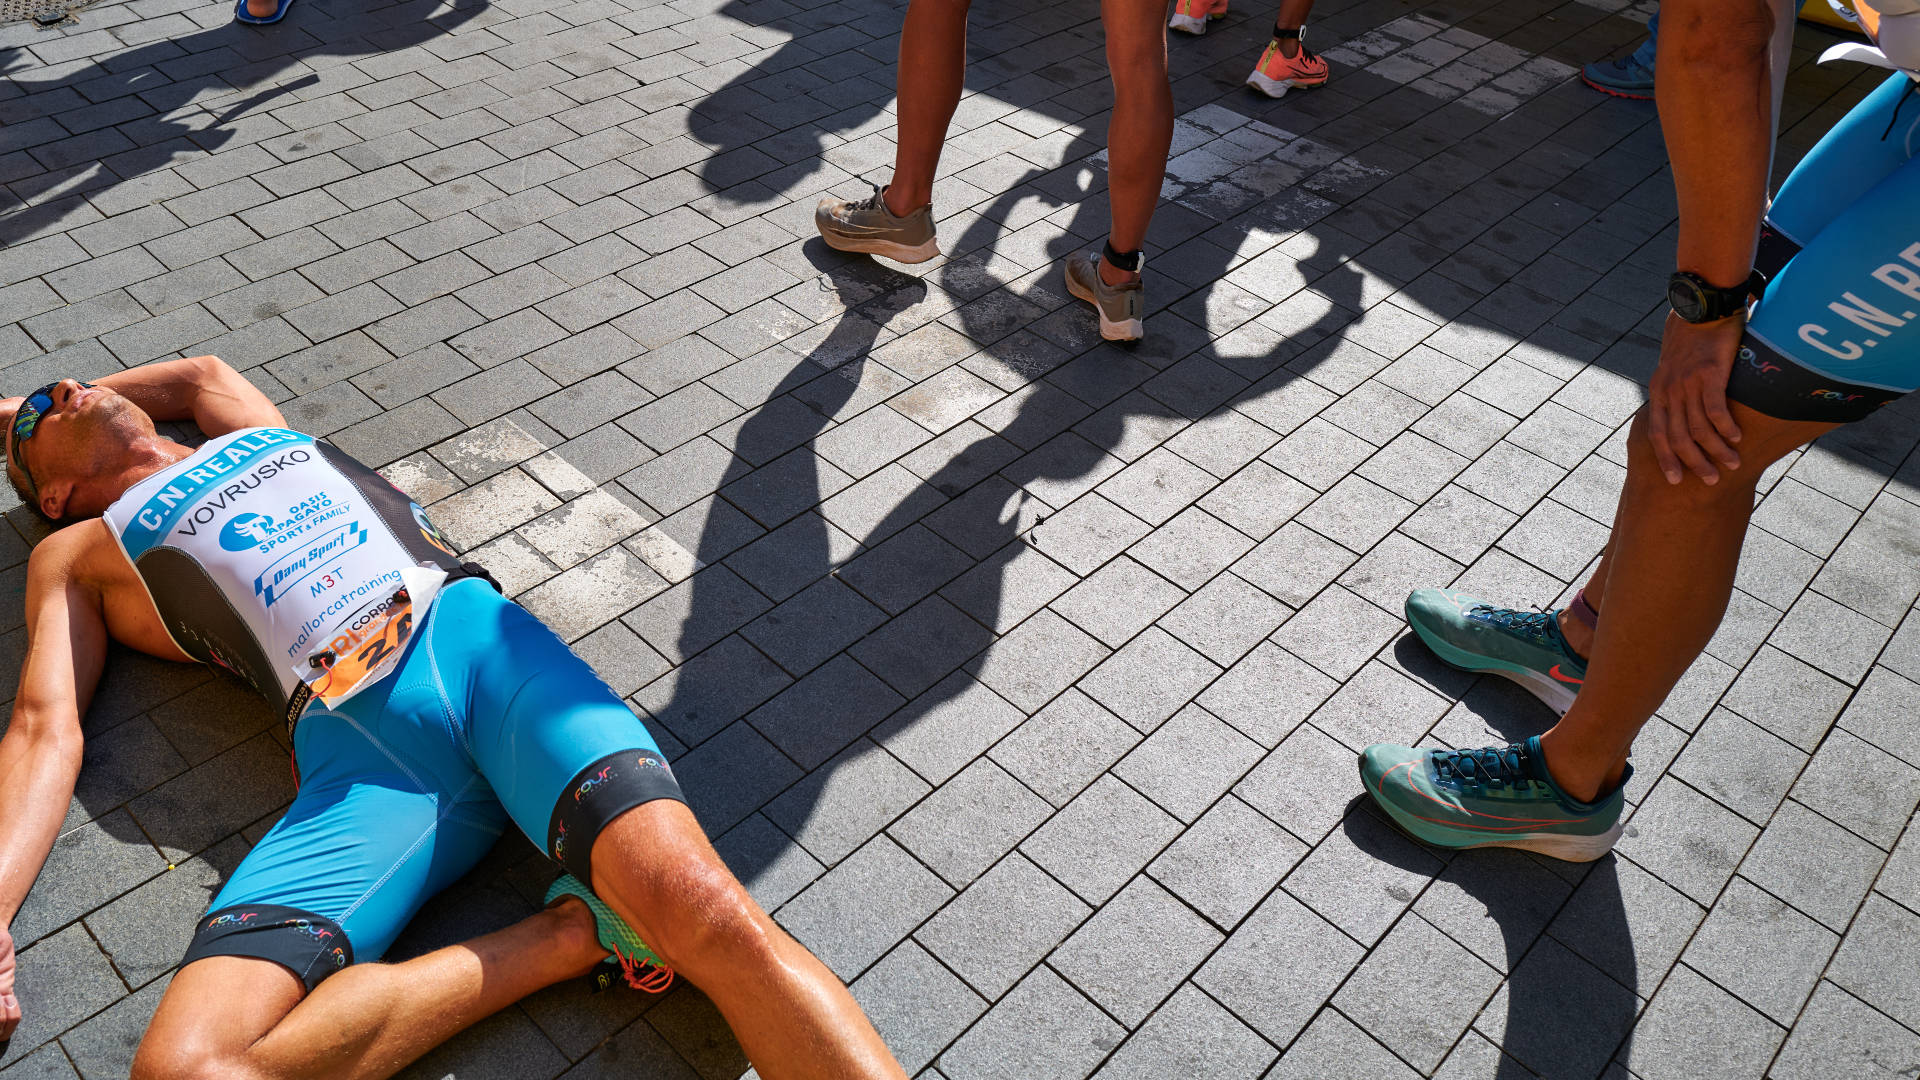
[369, 643]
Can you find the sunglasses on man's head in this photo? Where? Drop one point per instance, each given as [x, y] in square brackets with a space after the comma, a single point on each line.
[26, 421]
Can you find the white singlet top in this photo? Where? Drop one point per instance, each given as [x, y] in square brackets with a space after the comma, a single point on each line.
[273, 555]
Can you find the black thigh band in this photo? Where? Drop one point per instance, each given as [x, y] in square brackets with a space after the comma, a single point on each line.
[599, 793]
[311, 946]
[1765, 381]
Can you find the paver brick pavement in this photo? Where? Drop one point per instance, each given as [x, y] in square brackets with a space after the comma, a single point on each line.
[1017, 673]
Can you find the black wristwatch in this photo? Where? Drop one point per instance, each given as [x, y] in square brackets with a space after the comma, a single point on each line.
[1697, 301]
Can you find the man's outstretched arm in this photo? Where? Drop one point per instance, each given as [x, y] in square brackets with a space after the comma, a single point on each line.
[204, 390]
[40, 755]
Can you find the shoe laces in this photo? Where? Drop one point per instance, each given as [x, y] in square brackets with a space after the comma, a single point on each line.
[643, 973]
[875, 201]
[1537, 624]
[1488, 767]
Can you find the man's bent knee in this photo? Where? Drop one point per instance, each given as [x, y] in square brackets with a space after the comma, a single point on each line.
[655, 861]
[706, 919]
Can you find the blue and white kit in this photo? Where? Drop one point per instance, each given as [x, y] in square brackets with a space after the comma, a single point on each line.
[1836, 333]
[431, 711]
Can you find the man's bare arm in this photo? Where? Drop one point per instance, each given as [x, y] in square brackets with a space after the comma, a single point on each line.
[203, 389]
[1714, 87]
[40, 755]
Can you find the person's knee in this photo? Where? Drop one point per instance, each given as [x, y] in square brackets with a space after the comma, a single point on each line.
[189, 1058]
[1643, 470]
[700, 916]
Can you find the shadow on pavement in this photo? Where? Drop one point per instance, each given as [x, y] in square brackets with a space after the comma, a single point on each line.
[173, 99]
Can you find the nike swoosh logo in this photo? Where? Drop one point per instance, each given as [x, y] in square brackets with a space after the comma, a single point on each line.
[1564, 677]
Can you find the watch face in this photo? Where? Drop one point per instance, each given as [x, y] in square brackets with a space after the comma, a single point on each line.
[1685, 298]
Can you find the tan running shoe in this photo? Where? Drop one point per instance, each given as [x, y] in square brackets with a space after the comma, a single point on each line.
[869, 227]
[1122, 308]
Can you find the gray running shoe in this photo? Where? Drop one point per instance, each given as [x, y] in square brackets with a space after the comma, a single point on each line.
[1122, 308]
[867, 226]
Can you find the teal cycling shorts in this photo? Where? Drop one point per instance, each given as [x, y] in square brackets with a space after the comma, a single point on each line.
[1836, 333]
[488, 719]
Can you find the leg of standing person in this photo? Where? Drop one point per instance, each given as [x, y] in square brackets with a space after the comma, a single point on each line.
[1802, 367]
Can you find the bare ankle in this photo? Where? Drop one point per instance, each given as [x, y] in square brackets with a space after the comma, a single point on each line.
[574, 934]
[1113, 275]
[1579, 638]
[899, 205]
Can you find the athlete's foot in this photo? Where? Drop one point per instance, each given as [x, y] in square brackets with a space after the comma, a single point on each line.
[869, 226]
[1500, 796]
[643, 968]
[1121, 306]
[1113, 275]
[1287, 64]
[1192, 16]
[1525, 646]
[572, 932]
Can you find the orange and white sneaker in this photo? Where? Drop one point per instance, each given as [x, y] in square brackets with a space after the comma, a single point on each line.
[1192, 16]
[1277, 73]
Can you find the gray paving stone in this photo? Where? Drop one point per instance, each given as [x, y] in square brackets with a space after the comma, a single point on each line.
[1267, 693]
[1494, 902]
[1694, 1029]
[939, 732]
[1884, 713]
[1149, 678]
[1336, 632]
[1294, 564]
[1043, 1027]
[60, 980]
[1417, 992]
[1739, 765]
[1813, 864]
[1627, 923]
[1876, 962]
[837, 916]
[1001, 925]
[833, 812]
[1835, 639]
[1839, 1035]
[1227, 861]
[1118, 601]
[1064, 746]
[1042, 657]
[917, 1006]
[1362, 876]
[87, 867]
[1100, 958]
[1191, 1035]
[1859, 786]
[970, 822]
[1527, 1016]
[1101, 839]
[1762, 951]
[840, 689]
[1687, 839]
[1335, 1049]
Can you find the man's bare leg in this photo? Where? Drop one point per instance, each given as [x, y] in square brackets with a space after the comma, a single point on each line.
[654, 866]
[1141, 129]
[232, 1016]
[1665, 581]
[933, 67]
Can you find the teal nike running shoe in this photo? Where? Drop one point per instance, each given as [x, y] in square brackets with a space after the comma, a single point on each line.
[1525, 646]
[1499, 796]
[643, 970]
